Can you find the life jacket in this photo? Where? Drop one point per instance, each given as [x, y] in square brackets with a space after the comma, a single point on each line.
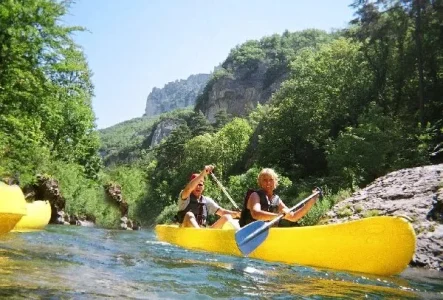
[246, 216]
[198, 208]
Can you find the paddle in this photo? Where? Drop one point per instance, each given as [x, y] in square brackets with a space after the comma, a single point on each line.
[220, 185]
[252, 235]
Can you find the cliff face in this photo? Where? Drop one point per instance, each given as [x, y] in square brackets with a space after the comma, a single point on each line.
[240, 92]
[177, 94]
[163, 129]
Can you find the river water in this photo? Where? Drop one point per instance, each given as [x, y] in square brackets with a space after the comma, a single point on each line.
[70, 262]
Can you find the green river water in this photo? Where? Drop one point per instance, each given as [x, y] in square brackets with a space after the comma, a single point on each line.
[70, 262]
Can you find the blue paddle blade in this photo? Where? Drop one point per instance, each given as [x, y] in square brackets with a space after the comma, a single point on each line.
[251, 236]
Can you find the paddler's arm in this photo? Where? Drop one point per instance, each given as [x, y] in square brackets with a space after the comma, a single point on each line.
[255, 207]
[294, 216]
[221, 211]
[193, 183]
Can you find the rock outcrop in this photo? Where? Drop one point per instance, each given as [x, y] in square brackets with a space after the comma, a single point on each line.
[416, 193]
[114, 193]
[163, 129]
[47, 188]
[177, 94]
[240, 92]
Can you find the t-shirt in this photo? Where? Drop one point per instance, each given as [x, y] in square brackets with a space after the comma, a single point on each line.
[210, 204]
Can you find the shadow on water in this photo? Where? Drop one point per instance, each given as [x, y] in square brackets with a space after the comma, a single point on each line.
[72, 262]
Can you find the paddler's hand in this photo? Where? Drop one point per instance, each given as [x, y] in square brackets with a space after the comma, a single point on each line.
[288, 215]
[208, 169]
[236, 214]
[320, 191]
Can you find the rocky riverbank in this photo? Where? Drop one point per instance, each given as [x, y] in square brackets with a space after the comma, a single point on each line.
[415, 193]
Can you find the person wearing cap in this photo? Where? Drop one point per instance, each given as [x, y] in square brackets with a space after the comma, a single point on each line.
[194, 207]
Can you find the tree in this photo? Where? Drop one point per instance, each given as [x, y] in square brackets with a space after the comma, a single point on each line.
[199, 124]
[326, 92]
[221, 118]
[230, 143]
[45, 88]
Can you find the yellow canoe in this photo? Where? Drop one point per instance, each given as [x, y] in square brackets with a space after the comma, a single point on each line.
[12, 206]
[377, 245]
[37, 217]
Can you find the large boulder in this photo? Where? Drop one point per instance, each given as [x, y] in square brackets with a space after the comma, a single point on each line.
[415, 193]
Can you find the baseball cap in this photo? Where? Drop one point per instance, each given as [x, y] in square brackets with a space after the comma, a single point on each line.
[194, 175]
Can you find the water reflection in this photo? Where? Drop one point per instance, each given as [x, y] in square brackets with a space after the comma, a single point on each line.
[344, 289]
[254, 280]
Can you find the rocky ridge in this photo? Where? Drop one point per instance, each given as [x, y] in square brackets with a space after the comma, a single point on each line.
[177, 94]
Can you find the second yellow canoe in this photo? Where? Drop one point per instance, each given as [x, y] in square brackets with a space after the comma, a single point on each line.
[37, 216]
[12, 206]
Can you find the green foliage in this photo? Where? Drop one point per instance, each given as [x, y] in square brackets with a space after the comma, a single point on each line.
[276, 50]
[326, 92]
[340, 195]
[129, 141]
[347, 113]
[371, 213]
[45, 90]
[170, 153]
[230, 143]
[360, 155]
[84, 197]
[402, 43]
[221, 119]
[358, 208]
[317, 212]
[345, 212]
[21, 154]
[239, 184]
[199, 151]
[352, 109]
[220, 73]
[257, 115]
[167, 215]
[247, 55]
[134, 187]
[274, 53]
[199, 125]
[124, 135]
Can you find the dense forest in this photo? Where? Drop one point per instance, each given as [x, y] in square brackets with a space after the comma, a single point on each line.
[355, 104]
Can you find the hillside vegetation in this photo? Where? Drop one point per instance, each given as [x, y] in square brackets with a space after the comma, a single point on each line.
[355, 105]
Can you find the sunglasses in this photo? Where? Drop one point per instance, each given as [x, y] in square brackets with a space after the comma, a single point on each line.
[200, 184]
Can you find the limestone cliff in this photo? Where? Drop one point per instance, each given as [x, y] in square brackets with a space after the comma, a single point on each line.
[177, 94]
[254, 70]
[240, 91]
[163, 129]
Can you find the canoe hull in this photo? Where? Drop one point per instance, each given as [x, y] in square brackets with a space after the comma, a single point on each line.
[12, 206]
[8, 221]
[377, 245]
[37, 217]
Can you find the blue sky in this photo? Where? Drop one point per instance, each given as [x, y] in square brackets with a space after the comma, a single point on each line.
[135, 45]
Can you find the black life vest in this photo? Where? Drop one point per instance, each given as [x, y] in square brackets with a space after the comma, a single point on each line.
[198, 208]
[246, 216]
